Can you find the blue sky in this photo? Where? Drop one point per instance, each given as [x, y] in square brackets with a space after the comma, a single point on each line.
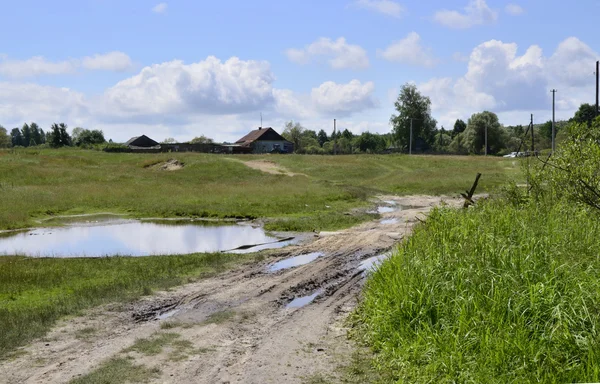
[184, 68]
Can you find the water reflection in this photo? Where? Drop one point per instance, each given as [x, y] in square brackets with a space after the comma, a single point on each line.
[304, 300]
[133, 238]
[295, 261]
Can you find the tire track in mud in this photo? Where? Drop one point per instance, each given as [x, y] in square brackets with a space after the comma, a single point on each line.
[237, 323]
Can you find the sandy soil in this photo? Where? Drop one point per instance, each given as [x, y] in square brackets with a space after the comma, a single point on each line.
[270, 167]
[259, 341]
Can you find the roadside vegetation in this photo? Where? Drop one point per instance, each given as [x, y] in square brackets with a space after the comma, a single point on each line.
[504, 292]
[34, 293]
[41, 183]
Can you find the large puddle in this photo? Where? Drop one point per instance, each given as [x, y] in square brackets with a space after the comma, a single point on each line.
[295, 261]
[95, 238]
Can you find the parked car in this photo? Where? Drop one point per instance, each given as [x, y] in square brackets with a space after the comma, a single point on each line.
[512, 154]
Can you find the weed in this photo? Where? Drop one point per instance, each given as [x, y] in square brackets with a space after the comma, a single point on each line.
[153, 345]
[118, 370]
[85, 333]
[219, 317]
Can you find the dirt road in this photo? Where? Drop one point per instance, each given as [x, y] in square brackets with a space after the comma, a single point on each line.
[234, 328]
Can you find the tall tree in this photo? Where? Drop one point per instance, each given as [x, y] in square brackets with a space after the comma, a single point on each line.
[347, 134]
[412, 105]
[322, 137]
[4, 138]
[16, 138]
[26, 133]
[293, 132]
[87, 137]
[585, 114]
[36, 134]
[370, 142]
[459, 127]
[65, 138]
[58, 136]
[475, 133]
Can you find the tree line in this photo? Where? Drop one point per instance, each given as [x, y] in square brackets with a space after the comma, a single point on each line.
[31, 135]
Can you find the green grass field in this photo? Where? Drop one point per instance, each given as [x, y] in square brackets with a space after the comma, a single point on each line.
[40, 183]
[495, 294]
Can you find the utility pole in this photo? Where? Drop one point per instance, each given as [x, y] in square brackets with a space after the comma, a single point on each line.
[532, 138]
[553, 122]
[410, 141]
[597, 82]
[486, 139]
[334, 139]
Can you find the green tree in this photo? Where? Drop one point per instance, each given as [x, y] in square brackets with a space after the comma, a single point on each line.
[442, 140]
[4, 138]
[37, 134]
[370, 142]
[168, 140]
[412, 105]
[58, 136]
[322, 137]
[293, 133]
[459, 127]
[347, 134]
[26, 134]
[585, 114]
[201, 140]
[86, 137]
[475, 133]
[16, 138]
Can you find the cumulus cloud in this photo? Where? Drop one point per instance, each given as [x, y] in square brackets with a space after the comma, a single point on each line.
[338, 53]
[409, 51]
[387, 7]
[514, 9]
[343, 99]
[160, 8]
[477, 12]
[112, 61]
[501, 80]
[209, 86]
[35, 66]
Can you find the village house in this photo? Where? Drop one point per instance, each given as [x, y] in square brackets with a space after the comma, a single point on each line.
[265, 140]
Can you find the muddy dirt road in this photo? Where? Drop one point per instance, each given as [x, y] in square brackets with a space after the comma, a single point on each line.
[255, 324]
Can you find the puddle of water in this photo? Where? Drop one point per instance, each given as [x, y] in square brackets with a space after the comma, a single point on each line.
[304, 300]
[389, 221]
[295, 261]
[385, 209]
[133, 238]
[372, 263]
[166, 315]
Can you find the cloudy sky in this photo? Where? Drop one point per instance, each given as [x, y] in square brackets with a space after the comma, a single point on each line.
[183, 68]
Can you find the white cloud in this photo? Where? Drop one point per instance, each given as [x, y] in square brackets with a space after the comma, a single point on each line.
[387, 7]
[209, 86]
[409, 51]
[509, 84]
[339, 53]
[343, 99]
[20, 102]
[514, 9]
[39, 66]
[112, 61]
[160, 8]
[35, 66]
[457, 56]
[477, 12]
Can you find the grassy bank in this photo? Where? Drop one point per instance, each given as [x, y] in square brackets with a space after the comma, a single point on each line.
[41, 183]
[496, 294]
[34, 293]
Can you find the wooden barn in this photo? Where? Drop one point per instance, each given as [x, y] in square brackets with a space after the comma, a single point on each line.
[265, 140]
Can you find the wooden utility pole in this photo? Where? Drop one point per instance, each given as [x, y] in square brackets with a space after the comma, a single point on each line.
[486, 139]
[532, 138]
[410, 140]
[334, 139]
[553, 122]
[597, 83]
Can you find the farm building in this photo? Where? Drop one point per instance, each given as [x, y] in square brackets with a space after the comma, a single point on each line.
[265, 140]
[142, 142]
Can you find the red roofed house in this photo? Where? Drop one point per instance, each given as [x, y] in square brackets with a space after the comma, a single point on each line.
[265, 140]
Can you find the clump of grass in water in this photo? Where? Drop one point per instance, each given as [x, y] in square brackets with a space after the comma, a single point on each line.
[494, 294]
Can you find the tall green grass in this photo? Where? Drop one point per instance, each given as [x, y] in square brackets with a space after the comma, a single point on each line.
[495, 294]
[35, 293]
